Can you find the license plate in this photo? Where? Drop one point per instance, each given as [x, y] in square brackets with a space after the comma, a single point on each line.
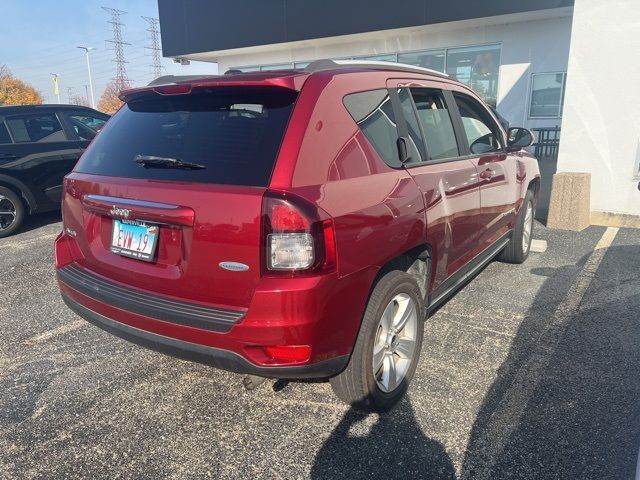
[134, 239]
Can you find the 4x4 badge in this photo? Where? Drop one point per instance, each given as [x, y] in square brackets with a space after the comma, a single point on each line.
[120, 212]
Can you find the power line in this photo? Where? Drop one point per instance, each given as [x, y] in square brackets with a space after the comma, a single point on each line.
[154, 33]
[121, 80]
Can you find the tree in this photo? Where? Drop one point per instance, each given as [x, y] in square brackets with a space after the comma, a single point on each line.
[14, 91]
[79, 100]
[109, 101]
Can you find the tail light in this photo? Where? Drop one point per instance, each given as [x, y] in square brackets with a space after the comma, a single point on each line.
[297, 236]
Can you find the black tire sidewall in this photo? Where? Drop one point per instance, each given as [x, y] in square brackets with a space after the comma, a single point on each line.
[20, 211]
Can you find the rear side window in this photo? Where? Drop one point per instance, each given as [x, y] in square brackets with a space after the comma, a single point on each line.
[4, 134]
[35, 128]
[481, 131]
[233, 134]
[86, 126]
[373, 113]
[436, 123]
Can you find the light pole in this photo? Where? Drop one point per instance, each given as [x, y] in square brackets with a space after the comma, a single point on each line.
[86, 51]
[56, 89]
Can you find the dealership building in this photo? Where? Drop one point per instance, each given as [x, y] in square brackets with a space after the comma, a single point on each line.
[565, 68]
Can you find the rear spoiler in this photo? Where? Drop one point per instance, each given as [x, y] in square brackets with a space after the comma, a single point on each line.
[186, 87]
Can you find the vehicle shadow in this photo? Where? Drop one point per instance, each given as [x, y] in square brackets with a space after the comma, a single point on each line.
[565, 403]
[32, 222]
[394, 447]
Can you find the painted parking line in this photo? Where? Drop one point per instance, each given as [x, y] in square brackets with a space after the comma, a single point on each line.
[508, 414]
[66, 328]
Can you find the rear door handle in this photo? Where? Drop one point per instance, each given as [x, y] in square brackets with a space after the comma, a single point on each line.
[487, 174]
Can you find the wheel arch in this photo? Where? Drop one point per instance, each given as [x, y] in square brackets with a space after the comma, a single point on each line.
[21, 190]
[416, 262]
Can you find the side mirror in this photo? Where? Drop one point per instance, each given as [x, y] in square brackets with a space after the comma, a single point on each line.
[518, 138]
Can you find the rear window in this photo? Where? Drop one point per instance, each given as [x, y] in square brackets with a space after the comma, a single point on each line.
[234, 134]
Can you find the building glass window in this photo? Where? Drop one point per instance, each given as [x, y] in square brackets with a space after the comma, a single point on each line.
[547, 95]
[391, 57]
[433, 59]
[280, 66]
[477, 67]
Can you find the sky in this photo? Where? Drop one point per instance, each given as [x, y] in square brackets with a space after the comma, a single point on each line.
[40, 37]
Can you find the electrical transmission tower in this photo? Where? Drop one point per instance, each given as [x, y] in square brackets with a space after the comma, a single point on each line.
[121, 81]
[154, 33]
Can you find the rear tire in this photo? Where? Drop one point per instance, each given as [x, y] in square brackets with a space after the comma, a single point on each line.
[12, 212]
[517, 250]
[392, 330]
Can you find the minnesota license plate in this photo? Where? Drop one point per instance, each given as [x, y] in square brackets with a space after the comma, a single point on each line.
[134, 239]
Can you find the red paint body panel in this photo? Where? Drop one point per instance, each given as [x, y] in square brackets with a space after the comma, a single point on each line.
[378, 213]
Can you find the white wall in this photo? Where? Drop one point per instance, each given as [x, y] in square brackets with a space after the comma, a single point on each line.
[601, 127]
[532, 46]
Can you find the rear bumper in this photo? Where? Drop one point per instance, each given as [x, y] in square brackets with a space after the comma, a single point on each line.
[216, 357]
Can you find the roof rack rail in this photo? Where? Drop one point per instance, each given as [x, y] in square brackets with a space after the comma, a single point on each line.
[173, 79]
[327, 64]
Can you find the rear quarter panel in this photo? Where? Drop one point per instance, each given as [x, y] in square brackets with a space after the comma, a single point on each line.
[378, 211]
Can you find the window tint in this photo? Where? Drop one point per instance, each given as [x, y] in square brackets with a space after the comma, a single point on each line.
[373, 113]
[86, 126]
[35, 128]
[234, 132]
[4, 134]
[415, 146]
[436, 124]
[481, 131]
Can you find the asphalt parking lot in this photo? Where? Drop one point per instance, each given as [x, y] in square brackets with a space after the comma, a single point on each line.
[531, 371]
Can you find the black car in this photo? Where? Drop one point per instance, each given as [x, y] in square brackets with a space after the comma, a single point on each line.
[39, 145]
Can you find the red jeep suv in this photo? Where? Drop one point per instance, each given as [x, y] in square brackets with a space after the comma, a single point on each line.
[294, 223]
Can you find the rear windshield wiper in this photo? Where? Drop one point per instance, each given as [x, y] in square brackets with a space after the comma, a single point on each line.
[166, 162]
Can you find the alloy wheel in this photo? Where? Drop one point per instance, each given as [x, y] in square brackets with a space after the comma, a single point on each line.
[7, 213]
[395, 342]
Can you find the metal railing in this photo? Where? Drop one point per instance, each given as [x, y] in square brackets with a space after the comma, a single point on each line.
[547, 141]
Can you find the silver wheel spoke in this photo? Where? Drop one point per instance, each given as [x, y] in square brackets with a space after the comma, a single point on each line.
[405, 348]
[13, 214]
[406, 309]
[389, 373]
[527, 227]
[379, 353]
[387, 319]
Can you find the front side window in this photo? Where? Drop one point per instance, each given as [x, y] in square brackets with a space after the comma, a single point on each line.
[373, 113]
[481, 131]
[547, 94]
[86, 126]
[35, 128]
[436, 123]
[477, 67]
